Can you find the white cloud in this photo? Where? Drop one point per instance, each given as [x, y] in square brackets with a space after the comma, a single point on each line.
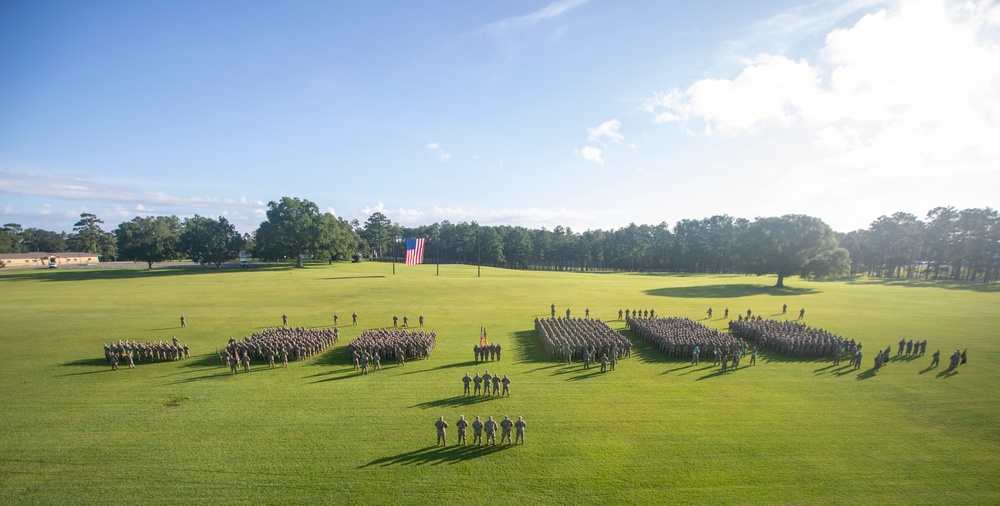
[592, 154]
[45, 209]
[912, 90]
[529, 217]
[608, 129]
[549, 11]
[435, 148]
[331, 210]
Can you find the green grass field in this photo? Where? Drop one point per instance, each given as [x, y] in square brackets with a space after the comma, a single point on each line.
[655, 431]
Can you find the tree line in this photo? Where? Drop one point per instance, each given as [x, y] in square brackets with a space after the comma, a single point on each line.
[952, 244]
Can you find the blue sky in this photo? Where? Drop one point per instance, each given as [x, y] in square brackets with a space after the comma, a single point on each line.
[587, 114]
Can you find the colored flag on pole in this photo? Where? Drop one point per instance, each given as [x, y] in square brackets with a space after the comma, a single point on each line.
[415, 251]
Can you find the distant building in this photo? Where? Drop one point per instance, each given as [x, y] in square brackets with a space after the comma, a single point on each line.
[42, 259]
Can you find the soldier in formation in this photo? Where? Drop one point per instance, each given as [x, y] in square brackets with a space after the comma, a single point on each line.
[793, 339]
[462, 426]
[441, 425]
[149, 351]
[684, 338]
[398, 344]
[487, 352]
[519, 426]
[575, 337]
[299, 343]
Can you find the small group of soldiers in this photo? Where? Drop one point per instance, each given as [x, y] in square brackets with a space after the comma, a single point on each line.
[586, 313]
[682, 337]
[569, 338]
[792, 338]
[283, 343]
[487, 352]
[406, 321]
[636, 313]
[490, 427]
[483, 383]
[392, 344]
[134, 351]
[911, 347]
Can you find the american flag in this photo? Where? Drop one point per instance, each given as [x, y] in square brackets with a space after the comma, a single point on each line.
[415, 251]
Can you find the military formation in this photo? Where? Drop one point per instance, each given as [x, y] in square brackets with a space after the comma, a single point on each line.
[489, 427]
[375, 345]
[276, 345]
[487, 352]
[683, 337]
[130, 353]
[581, 339]
[500, 386]
[793, 338]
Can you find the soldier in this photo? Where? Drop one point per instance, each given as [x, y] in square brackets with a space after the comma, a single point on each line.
[395, 321]
[462, 425]
[466, 381]
[478, 381]
[356, 358]
[586, 313]
[802, 313]
[619, 314]
[498, 352]
[496, 384]
[491, 431]
[725, 315]
[441, 426]
[753, 356]
[614, 360]
[284, 320]
[335, 319]
[553, 311]
[909, 346]
[114, 361]
[936, 359]
[233, 363]
[604, 363]
[128, 356]
[487, 378]
[284, 357]
[378, 362]
[477, 431]
[506, 386]
[421, 321]
[694, 356]
[183, 323]
[364, 364]
[784, 308]
[709, 313]
[354, 317]
[519, 426]
[902, 344]
[567, 313]
[246, 362]
[406, 321]
[505, 426]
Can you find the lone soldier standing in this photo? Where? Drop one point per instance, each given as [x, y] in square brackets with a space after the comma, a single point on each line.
[709, 313]
[491, 431]
[354, 316]
[395, 321]
[802, 313]
[466, 381]
[284, 320]
[421, 321]
[936, 358]
[462, 425]
[567, 313]
[519, 430]
[505, 426]
[183, 323]
[441, 426]
[114, 361]
[477, 431]
[406, 321]
[784, 308]
[553, 311]
[335, 320]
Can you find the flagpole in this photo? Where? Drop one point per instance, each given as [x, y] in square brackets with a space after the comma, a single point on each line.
[437, 255]
[393, 255]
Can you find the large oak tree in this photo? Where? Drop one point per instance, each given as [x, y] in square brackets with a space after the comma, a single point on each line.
[788, 245]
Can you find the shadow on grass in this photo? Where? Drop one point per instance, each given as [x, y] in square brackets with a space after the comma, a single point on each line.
[583, 374]
[870, 373]
[355, 277]
[98, 272]
[947, 373]
[973, 286]
[470, 363]
[436, 455]
[726, 291]
[456, 401]
[929, 369]
[531, 347]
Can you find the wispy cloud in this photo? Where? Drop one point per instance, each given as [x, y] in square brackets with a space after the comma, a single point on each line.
[435, 149]
[606, 130]
[528, 217]
[552, 10]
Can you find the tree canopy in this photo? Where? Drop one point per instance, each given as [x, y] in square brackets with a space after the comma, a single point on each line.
[209, 241]
[788, 245]
[149, 239]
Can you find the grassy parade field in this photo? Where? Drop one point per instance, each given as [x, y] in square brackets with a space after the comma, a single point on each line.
[656, 430]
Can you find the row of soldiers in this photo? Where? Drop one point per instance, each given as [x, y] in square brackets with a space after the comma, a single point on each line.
[284, 343]
[636, 313]
[483, 383]
[792, 338]
[490, 427]
[680, 337]
[487, 352]
[911, 347]
[569, 338]
[393, 344]
[135, 351]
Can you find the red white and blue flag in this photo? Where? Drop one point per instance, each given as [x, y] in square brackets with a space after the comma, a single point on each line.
[415, 251]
